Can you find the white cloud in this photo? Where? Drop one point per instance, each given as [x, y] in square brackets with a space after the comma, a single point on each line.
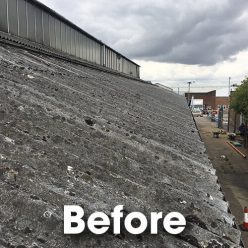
[173, 41]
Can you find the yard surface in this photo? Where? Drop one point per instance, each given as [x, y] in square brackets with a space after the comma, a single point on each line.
[232, 169]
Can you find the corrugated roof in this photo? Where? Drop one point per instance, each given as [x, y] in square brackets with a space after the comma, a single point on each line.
[127, 142]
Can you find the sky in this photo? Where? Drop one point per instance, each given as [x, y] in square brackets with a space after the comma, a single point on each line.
[174, 41]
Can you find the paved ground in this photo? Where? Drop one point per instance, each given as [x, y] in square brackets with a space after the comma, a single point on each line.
[232, 171]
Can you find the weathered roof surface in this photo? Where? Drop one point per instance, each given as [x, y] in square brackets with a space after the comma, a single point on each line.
[127, 142]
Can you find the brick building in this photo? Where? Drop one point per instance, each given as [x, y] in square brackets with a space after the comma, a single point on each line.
[210, 100]
[222, 100]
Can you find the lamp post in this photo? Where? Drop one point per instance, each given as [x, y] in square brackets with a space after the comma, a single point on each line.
[229, 86]
[229, 94]
[189, 83]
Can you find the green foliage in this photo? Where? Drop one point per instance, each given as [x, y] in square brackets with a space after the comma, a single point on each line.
[239, 100]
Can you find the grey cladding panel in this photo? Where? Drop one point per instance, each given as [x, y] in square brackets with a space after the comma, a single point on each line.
[52, 31]
[31, 21]
[68, 39]
[84, 47]
[63, 37]
[111, 59]
[28, 20]
[81, 45]
[88, 48]
[46, 35]
[91, 50]
[3, 16]
[119, 63]
[22, 18]
[73, 43]
[98, 54]
[94, 51]
[38, 23]
[13, 20]
[106, 57]
[77, 43]
[114, 61]
[58, 34]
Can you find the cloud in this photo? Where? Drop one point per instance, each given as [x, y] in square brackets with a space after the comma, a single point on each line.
[187, 32]
[206, 77]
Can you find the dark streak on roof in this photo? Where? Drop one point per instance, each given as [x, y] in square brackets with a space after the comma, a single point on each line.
[125, 142]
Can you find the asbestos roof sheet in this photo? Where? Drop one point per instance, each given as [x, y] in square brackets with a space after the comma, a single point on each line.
[76, 135]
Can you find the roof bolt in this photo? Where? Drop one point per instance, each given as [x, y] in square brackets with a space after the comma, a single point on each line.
[47, 214]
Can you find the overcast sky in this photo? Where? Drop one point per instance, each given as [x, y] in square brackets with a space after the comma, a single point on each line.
[174, 41]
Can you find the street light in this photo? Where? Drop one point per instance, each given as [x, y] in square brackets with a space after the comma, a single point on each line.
[229, 86]
[228, 120]
[234, 85]
[189, 83]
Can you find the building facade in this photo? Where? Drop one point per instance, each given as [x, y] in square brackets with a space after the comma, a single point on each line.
[210, 100]
[32, 20]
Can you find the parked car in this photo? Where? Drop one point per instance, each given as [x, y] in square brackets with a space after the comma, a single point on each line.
[197, 113]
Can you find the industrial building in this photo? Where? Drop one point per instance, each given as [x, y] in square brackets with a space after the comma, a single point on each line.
[210, 99]
[36, 22]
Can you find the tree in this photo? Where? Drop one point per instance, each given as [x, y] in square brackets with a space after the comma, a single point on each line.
[239, 102]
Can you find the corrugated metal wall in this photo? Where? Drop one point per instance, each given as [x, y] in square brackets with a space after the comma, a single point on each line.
[32, 20]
